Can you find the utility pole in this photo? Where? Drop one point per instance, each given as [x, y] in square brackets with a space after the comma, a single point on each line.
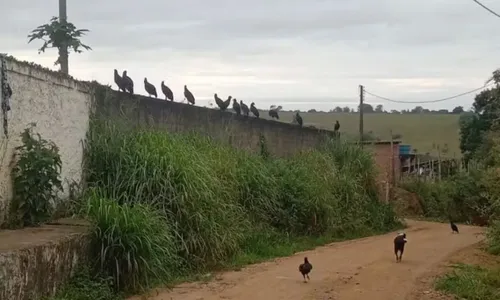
[63, 51]
[361, 98]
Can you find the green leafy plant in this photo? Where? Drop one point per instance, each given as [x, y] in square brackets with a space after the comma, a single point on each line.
[35, 179]
[60, 35]
[84, 285]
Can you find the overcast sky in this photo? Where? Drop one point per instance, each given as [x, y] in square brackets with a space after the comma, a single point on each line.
[300, 54]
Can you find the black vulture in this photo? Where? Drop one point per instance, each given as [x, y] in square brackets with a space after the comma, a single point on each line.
[305, 269]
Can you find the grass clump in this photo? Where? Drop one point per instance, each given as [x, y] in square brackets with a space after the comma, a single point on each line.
[471, 282]
[133, 244]
[493, 238]
[214, 206]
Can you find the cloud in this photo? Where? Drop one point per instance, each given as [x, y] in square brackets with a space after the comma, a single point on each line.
[301, 53]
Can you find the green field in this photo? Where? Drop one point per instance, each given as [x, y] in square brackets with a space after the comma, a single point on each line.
[421, 131]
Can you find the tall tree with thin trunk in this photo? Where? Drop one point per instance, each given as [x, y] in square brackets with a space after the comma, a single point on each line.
[60, 34]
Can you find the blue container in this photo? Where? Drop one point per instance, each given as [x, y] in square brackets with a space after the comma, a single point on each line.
[404, 149]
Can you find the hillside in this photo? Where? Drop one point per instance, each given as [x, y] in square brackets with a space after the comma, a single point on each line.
[419, 130]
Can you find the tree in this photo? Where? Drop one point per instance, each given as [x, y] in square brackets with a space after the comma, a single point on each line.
[417, 110]
[367, 108]
[346, 109]
[60, 35]
[337, 109]
[395, 111]
[458, 110]
[379, 108]
[312, 111]
[475, 126]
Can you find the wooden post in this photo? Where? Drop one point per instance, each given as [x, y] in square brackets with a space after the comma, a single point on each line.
[361, 100]
[409, 165]
[439, 164]
[418, 168]
[63, 51]
[432, 169]
[393, 175]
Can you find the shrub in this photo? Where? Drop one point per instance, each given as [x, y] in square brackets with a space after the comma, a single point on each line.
[85, 286]
[186, 177]
[35, 179]
[471, 197]
[219, 203]
[132, 243]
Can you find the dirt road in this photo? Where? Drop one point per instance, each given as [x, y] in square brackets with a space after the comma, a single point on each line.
[358, 269]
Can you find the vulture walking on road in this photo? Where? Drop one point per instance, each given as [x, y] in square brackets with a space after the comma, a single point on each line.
[305, 269]
[454, 227]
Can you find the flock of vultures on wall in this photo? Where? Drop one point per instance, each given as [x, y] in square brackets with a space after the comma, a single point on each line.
[126, 84]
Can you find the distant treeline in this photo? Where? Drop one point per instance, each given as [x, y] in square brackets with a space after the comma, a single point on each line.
[367, 108]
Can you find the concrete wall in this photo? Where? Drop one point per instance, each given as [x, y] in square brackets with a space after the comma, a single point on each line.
[283, 139]
[242, 132]
[60, 107]
[35, 262]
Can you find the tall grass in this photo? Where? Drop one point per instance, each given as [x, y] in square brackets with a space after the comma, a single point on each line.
[218, 202]
[471, 282]
[132, 243]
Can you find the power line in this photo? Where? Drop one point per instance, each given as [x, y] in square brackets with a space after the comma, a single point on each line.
[485, 7]
[431, 101]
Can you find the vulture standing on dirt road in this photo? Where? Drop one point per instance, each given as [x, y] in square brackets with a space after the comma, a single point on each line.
[150, 89]
[119, 81]
[254, 110]
[236, 107]
[188, 95]
[299, 119]
[244, 108]
[128, 84]
[454, 227]
[399, 245]
[167, 92]
[305, 269]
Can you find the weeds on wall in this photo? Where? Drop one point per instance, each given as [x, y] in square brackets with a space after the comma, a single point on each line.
[35, 180]
[264, 151]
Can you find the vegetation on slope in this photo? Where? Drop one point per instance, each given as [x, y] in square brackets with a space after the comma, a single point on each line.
[209, 205]
[473, 196]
